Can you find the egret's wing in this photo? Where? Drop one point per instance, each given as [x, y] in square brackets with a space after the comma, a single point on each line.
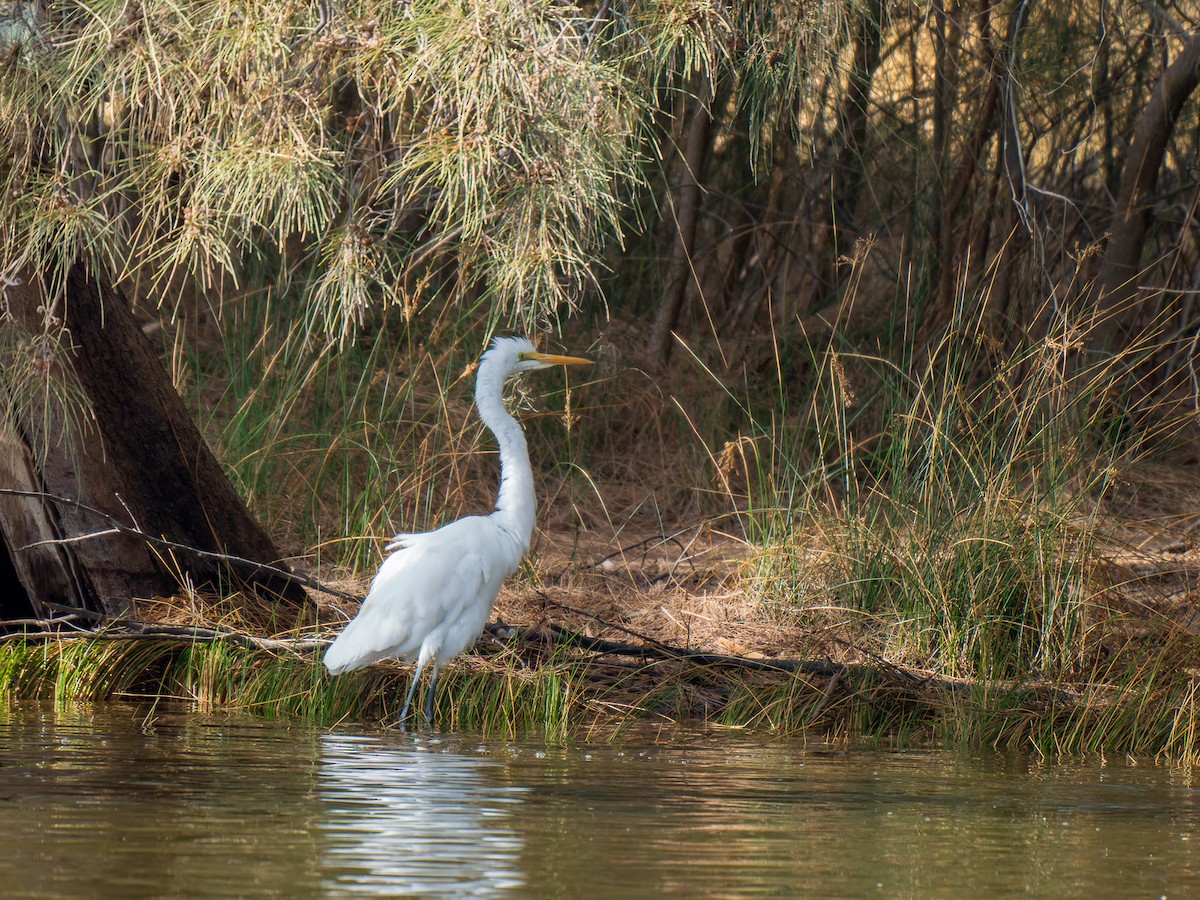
[415, 590]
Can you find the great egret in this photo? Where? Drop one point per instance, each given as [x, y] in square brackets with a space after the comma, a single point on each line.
[431, 597]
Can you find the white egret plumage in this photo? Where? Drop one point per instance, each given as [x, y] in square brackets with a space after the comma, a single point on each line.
[431, 597]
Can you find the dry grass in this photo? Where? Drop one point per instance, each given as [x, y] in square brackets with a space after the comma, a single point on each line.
[696, 589]
[886, 522]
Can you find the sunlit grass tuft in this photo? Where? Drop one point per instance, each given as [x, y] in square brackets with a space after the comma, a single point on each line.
[495, 696]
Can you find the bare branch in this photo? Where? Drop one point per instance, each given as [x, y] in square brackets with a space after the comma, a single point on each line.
[135, 631]
[116, 527]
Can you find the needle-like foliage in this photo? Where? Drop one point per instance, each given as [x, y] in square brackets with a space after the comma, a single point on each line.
[379, 151]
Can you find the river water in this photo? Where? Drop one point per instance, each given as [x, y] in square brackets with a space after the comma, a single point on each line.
[96, 802]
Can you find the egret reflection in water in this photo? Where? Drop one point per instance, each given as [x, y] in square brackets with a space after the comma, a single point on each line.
[406, 818]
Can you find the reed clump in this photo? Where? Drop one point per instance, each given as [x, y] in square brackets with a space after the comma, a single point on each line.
[494, 696]
[961, 518]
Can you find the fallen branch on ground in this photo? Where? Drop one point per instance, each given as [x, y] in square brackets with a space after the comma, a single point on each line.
[659, 650]
[656, 651]
[251, 566]
[135, 631]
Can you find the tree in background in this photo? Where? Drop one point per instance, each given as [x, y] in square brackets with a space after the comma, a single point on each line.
[420, 154]
[1010, 157]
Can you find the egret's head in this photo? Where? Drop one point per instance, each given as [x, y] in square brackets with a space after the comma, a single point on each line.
[517, 354]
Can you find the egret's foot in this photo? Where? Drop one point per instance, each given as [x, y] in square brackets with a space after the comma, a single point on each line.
[402, 721]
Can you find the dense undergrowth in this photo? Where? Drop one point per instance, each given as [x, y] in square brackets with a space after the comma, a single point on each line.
[937, 519]
[1149, 710]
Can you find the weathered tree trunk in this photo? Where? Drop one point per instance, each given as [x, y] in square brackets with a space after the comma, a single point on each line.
[150, 467]
[849, 168]
[687, 213]
[35, 577]
[1116, 288]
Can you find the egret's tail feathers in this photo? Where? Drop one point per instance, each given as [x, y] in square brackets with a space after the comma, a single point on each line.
[347, 653]
[337, 660]
[360, 644]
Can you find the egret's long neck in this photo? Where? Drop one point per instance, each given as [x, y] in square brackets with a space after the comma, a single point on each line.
[516, 505]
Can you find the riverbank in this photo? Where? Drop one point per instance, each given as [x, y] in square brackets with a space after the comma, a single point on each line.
[600, 637]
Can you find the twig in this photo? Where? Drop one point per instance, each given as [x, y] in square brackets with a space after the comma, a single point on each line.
[74, 610]
[645, 542]
[71, 540]
[663, 651]
[828, 692]
[601, 622]
[212, 635]
[133, 631]
[41, 623]
[116, 527]
[600, 16]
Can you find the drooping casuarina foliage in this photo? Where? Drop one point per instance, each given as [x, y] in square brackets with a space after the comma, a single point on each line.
[367, 150]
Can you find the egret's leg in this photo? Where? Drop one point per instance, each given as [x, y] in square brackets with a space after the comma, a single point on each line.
[412, 690]
[429, 693]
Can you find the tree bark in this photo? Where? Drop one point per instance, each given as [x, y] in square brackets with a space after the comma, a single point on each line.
[1116, 288]
[35, 577]
[680, 274]
[849, 168]
[149, 466]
